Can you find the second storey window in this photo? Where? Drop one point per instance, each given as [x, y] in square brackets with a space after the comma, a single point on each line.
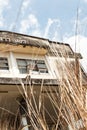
[4, 63]
[25, 65]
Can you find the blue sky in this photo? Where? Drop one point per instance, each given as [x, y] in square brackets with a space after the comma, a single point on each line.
[52, 19]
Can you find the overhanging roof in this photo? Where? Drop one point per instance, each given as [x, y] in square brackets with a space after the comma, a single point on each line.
[21, 42]
[7, 37]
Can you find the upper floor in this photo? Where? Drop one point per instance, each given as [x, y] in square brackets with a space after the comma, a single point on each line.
[22, 55]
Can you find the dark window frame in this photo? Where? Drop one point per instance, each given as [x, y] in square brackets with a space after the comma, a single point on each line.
[34, 65]
[4, 63]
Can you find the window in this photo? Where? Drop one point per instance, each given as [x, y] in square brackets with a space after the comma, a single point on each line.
[25, 65]
[41, 66]
[3, 63]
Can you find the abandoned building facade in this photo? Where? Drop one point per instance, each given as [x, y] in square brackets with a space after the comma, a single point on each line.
[32, 66]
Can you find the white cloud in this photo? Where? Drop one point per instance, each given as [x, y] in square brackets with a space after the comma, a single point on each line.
[12, 26]
[1, 21]
[85, 0]
[81, 47]
[29, 24]
[56, 36]
[3, 5]
[80, 24]
[25, 5]
[50, 23]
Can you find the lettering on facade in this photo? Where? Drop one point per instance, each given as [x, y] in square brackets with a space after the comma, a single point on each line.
[20, 41]
[4, 39]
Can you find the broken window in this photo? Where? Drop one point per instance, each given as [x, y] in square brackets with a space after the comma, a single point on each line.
[3, 63]
[25, 65]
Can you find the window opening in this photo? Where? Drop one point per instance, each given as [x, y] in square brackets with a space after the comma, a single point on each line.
[25, 65]
[3, 63]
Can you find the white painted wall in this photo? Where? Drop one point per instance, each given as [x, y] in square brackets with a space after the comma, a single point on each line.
[13, 71]
[13, 68]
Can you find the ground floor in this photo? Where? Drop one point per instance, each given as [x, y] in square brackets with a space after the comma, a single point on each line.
[34, 107]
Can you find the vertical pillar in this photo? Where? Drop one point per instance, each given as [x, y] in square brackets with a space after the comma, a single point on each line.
[24, 123]
[14, 69]
[23, 112]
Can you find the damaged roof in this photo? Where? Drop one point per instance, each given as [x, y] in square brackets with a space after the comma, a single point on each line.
[12, 38]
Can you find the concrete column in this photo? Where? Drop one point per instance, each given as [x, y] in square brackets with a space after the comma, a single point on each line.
[23, 112]
[13, 65]
[24, 123]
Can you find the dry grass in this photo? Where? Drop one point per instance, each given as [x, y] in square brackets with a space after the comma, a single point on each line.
[66, 101]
